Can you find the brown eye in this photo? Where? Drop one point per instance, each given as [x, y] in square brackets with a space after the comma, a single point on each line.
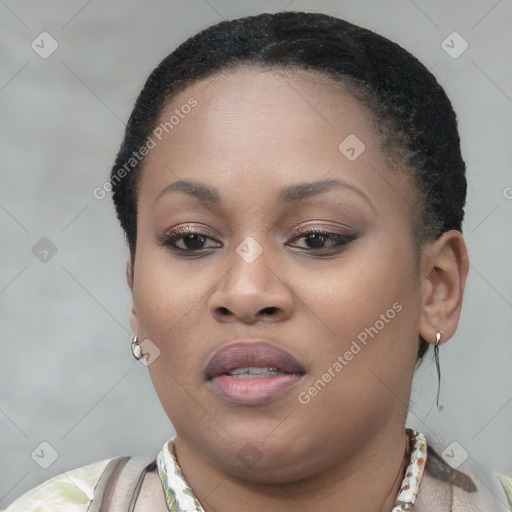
[318, 239]
[188, 240]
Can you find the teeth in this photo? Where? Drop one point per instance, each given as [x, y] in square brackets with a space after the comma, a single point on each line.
[254, 373]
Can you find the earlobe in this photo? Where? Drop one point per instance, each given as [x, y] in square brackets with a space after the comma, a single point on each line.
[445, 267]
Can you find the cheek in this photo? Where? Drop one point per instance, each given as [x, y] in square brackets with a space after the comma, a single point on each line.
[352, 294]
[163, 293]
[369, 311]
[168, 302]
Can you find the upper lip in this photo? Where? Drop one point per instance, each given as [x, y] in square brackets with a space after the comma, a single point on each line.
[254, 353]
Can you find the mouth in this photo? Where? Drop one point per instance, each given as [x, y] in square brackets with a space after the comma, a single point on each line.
[252, 372]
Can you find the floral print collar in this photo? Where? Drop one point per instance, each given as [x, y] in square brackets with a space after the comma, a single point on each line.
[180, 497]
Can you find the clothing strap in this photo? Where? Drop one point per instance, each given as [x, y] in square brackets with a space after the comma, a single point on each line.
[119, 486]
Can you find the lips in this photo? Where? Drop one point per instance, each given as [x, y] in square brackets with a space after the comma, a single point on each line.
[251, 355]
[252, 372]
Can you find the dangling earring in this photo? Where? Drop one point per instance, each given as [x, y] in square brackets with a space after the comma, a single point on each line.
[136, 348]
[440, 407]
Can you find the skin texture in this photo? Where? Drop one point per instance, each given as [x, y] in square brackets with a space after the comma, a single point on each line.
[253, 132]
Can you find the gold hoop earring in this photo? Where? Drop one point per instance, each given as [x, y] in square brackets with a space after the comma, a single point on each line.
[439, 334]
[136, 348]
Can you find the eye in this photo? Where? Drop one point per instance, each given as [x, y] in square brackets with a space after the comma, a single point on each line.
[192, 240]
[317, 239]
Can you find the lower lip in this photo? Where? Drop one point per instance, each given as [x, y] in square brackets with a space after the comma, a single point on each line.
[253, 391]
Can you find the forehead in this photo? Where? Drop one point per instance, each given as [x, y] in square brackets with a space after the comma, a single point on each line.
[267, 127]
[250, 103]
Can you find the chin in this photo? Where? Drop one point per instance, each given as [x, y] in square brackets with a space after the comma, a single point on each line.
[259, 459]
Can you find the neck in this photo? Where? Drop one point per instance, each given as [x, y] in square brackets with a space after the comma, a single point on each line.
[369, 481]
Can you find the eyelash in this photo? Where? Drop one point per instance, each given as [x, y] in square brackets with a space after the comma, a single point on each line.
[170, 239]
[339, 240]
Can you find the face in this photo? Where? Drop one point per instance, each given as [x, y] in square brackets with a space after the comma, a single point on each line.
[275, 275]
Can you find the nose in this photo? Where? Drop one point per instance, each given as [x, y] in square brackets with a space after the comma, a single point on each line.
[251, 292]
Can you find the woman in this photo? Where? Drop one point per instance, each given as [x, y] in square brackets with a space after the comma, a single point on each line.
[292, 192]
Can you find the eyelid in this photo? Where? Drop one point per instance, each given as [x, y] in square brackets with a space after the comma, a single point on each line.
[197, 229]
[189, 229]
[342, 230]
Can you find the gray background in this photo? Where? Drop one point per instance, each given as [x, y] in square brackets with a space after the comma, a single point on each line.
[67, 375]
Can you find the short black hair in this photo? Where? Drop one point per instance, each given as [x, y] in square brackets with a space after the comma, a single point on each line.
[413, 116]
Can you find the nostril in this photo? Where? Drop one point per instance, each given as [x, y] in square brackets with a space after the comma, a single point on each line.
[269, 311]
[224, 311]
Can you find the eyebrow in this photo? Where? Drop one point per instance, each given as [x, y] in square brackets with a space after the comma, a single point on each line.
[192, 188]
[290, 193]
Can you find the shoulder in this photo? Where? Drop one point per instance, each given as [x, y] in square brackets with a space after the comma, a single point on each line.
[506, 482]
[466, 486]
[71, 491]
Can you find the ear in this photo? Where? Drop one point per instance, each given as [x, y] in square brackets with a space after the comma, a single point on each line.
[134, 321]
[445, 266]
